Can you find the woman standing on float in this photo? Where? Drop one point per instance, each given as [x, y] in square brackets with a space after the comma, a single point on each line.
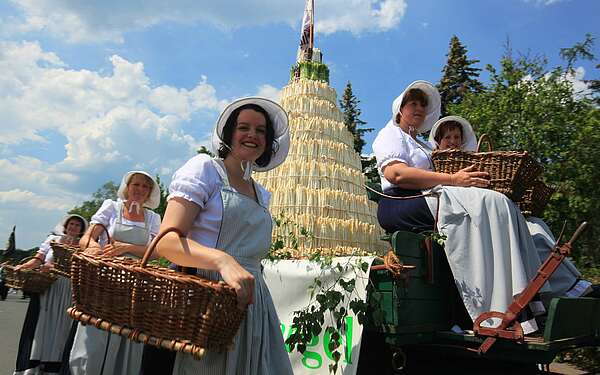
[222, 213]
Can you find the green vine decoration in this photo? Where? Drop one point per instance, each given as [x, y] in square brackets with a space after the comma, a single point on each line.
[436, 237]
[288, 240]
[337, 299]
[329, 300]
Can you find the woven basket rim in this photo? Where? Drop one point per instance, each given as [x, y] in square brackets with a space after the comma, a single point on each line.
[129, 264]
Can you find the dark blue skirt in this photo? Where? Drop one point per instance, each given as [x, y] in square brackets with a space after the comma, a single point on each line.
[411, 215]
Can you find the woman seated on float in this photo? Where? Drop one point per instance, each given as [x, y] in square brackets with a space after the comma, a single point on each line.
[47, 324]
[490, 258]
[131, 224]
[454, 132]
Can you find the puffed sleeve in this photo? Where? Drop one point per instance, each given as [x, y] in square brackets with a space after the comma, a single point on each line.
[389, 145]
[46, 250]
[195, 181]
[154, 224]
[45, 246]
[104, 213]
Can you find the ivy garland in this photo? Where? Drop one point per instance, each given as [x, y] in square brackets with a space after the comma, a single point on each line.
[336, 299]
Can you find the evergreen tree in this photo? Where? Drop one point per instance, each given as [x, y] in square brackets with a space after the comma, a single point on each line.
[351, 112]
[583, 50]
[459, 76]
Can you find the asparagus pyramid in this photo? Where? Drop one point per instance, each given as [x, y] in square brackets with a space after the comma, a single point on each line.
[320, 187]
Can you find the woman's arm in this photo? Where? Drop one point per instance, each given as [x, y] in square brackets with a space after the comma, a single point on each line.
[183, 251]
[91, 235]
[401, 175]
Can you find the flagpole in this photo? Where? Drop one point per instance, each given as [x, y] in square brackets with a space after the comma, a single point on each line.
[312, 26]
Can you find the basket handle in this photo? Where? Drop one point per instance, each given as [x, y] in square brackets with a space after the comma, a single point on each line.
[484, 139]
[92, 231]
[154, 242]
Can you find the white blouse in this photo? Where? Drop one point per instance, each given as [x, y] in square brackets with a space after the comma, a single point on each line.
[45, 248]
[393, 144]
[107, 215]
[200, 182]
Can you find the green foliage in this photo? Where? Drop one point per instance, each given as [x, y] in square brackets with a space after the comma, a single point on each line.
[528, 107]
[335, 300]
[287, 238]
[310, 70]
[351, 112]
[459, 76]
[88, 208]
[580, 50]
[204, 150]
[164, 193]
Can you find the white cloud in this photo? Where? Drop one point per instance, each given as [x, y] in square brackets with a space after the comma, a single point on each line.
[112, 123]
[359, 16]
[101, 21]
[545, 2]
[581, 88]
[33, 200]
[269, 92]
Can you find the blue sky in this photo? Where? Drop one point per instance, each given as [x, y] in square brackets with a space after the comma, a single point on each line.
[91, 89]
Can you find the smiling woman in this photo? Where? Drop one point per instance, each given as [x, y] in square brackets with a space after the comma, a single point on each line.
[131, 225]
[226, 225]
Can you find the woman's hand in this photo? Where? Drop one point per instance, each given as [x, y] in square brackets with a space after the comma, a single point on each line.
[94, 250]
[47, 267]
[29, 265]
[467, 177]
[116, 249]
[239, 279]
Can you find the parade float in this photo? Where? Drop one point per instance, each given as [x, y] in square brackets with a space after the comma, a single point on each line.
[331, 284]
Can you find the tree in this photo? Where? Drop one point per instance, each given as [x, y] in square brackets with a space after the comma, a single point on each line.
[88, 208]
[528, 107]
[580, 50]
[459, 77]
[164, 193]
[583, 50]
[351, 112]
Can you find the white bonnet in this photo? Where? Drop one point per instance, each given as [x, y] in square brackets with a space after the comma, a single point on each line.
[153, 199]
[433, 109]
[469, 138]
[279, 119]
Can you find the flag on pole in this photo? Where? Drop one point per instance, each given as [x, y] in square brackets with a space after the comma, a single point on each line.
[306, 32]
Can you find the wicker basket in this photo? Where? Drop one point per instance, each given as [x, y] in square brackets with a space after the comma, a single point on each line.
[30, 281]
[511, 172]
[535, 199]
[154, 305]
[62, 258]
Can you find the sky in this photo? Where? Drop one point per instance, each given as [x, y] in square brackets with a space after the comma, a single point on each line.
[91, 89]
